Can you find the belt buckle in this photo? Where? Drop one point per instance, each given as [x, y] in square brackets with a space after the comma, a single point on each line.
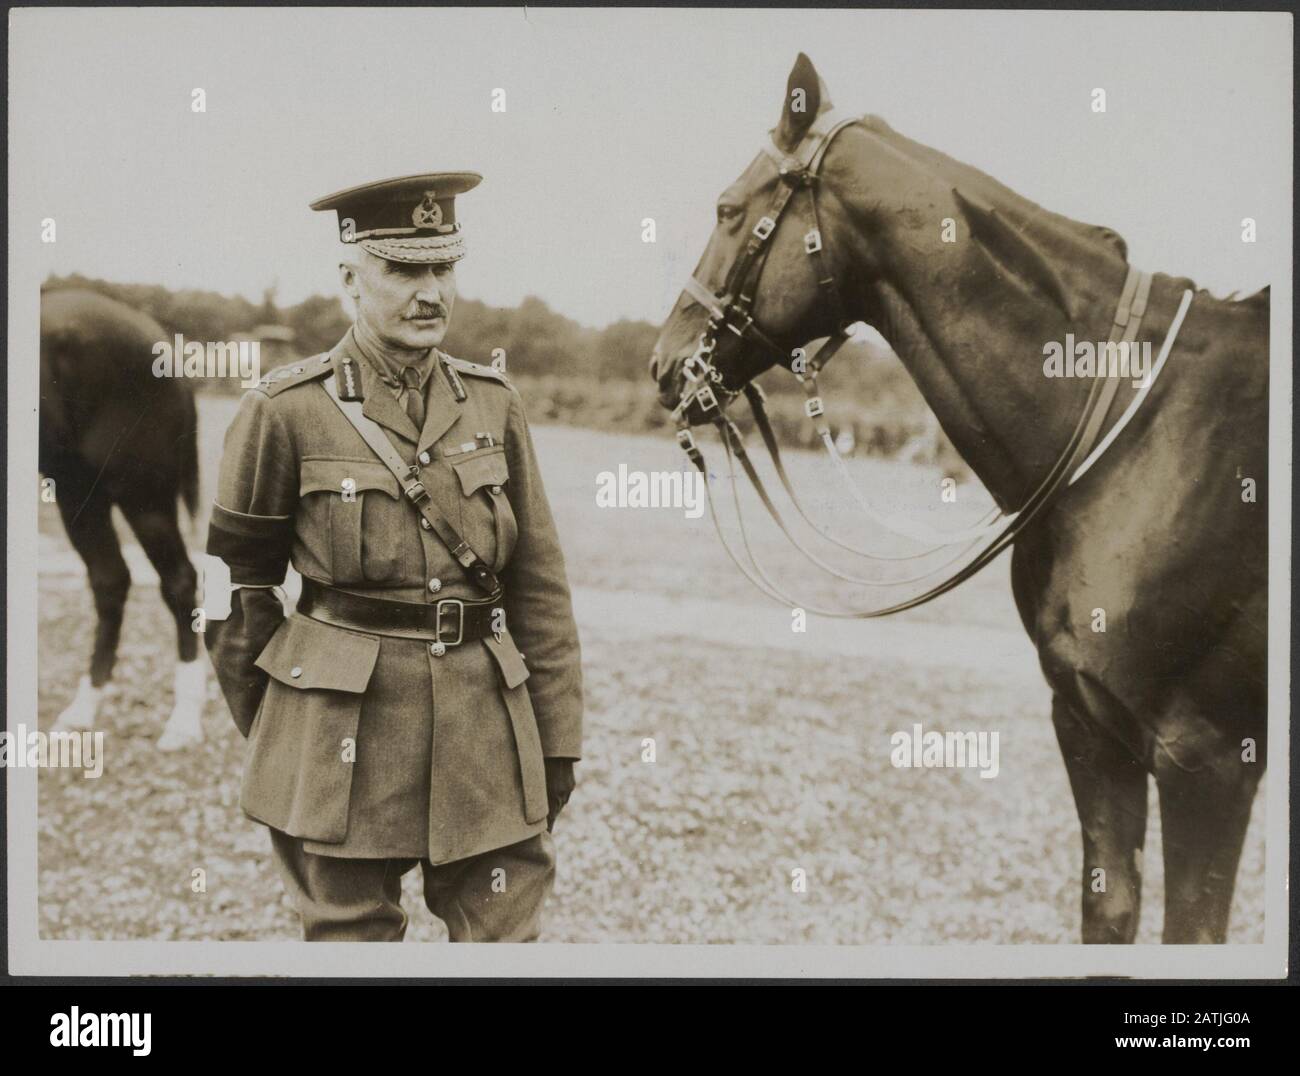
[460, 621]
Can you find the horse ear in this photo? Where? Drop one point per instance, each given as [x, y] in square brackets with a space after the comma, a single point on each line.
[806, 97]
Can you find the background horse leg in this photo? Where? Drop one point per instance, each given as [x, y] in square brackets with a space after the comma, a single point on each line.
[1204, 811]
[156, 526]
[87, 517]
[1110, 795]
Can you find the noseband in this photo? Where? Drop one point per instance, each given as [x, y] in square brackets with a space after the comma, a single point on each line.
[704, 387]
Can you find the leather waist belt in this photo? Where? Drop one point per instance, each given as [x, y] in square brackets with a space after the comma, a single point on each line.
[450, 621]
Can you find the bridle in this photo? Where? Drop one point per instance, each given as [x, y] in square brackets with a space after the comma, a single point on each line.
[732, 309]
[705, 390]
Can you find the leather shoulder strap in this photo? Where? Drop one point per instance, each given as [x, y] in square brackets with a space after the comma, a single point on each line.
[408, 478]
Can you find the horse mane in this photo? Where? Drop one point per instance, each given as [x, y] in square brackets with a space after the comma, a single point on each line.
[979, 187]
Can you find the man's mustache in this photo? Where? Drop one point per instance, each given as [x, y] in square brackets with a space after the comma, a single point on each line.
[424, 311]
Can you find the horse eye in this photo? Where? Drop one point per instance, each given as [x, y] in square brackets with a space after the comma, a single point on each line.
[727, 212]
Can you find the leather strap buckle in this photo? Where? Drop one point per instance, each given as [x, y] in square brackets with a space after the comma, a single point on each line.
[742, 328]
[460, 621]
[417, 493]
[688, 368]
[706, 399]
[764, 228]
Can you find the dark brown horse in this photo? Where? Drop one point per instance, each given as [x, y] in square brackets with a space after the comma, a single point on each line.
[113, 434]
[1166, 534]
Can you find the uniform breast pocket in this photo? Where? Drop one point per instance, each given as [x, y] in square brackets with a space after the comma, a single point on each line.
[352, 519]
[487, 521]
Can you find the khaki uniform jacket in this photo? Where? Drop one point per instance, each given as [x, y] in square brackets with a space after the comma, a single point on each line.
[373, 746]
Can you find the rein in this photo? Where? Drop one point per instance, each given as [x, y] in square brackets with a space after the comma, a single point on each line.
[732, 310]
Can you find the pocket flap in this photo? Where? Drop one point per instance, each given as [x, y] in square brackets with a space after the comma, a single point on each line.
[489, 469]
[304, 654]
[329, 476]
[511, 663]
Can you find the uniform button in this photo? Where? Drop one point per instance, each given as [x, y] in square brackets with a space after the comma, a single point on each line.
[496, 490]
[426, 524]
[296, 671]
[435, 585]
[437, 649]
[424, 457]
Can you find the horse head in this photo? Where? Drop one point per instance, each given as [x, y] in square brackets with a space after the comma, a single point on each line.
[760, 290]
[841, 220]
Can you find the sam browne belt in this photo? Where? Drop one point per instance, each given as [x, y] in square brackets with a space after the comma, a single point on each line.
[450, 621]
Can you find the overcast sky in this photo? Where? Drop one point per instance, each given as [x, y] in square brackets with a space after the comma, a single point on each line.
[611, 117]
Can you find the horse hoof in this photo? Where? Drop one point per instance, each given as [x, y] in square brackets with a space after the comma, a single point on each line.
[179, 736]
[81, 711]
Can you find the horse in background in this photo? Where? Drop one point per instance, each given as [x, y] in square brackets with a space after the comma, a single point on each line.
[111, 433]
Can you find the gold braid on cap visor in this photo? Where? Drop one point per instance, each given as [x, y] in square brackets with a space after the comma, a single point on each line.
[430, 249]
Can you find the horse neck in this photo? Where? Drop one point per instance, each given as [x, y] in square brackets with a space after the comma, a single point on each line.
[970, 320]
[981, 372]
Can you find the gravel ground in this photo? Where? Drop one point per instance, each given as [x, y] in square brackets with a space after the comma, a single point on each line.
[769, 759]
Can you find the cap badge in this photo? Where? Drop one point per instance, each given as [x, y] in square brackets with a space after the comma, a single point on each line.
[428, 214]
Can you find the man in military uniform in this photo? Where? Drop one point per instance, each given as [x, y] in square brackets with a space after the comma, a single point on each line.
[391, 718]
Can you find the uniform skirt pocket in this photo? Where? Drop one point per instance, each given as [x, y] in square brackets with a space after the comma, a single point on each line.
[298, 775]
[528, 741]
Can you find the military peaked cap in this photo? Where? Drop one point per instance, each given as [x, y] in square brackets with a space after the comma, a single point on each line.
[408, 219]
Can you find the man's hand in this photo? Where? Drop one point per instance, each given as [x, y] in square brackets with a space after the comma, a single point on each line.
[559, 787]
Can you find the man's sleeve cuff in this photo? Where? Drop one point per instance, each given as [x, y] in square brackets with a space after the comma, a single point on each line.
[562, 744]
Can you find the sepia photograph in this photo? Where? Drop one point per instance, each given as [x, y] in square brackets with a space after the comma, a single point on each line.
[706, 491]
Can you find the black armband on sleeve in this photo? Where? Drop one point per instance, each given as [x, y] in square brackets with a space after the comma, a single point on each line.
[257, 548]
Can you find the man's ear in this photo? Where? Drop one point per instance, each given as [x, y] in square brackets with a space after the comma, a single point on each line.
[349, 278]
[806, 97]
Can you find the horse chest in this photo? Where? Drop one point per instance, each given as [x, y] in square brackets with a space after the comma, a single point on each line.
[1090, 616]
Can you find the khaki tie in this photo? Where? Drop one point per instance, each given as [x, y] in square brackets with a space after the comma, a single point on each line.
[414, 396]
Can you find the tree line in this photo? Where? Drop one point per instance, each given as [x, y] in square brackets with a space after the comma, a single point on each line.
[571, 373]
[534, 338]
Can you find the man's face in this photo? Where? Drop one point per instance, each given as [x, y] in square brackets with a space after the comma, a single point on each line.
[405, 305]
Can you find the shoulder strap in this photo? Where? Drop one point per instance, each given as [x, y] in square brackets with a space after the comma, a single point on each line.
[415, 492]
[475, 369]
[299, 373]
